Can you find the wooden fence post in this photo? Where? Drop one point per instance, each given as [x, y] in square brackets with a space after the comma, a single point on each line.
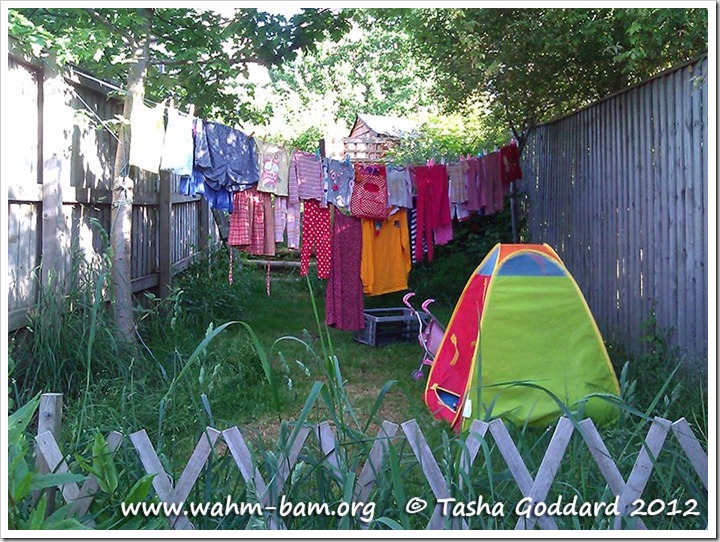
[165, 240]
[55, 159]
[204, 228]
[49, 419]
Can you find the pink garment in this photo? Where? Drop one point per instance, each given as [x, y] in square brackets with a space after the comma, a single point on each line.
[433, 207]
[315, 238]
[443, 234]
[456, 177]
[370, 192]
[292, 183]
[494, 175]
[293, 225]
[482, 183]
[308, 171]
[268, 211]
[474, 202]
[344, 303]
[248, 229]
[280, 218]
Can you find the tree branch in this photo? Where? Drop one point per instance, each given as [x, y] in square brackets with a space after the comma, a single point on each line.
[186, 62]
[127, 38]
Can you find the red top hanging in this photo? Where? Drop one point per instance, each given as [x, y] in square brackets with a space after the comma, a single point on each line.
[511, 171]
[370, 193]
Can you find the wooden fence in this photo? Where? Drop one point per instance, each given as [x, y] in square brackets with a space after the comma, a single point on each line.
[619, 189]
[534, 490]
[59, 190]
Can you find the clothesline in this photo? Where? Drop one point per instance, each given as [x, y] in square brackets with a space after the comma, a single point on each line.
[128, 93]
[340, 212]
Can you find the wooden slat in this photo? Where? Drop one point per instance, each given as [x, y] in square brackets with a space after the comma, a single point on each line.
[622, 227]
[476, 435]
[665, 308]
[644, 198]
[680, 215]
[24, 193]
[161, 481]
[326, 439]
[517, 466]
[604, 460]
[548, 469]
[374, 462]
[81, 505]
[243, 459]
[704, 162]
[55, 461]
[49, 419]
[690, 445]
[642, 469]
[632, 183]
[23, 251]
[607, 235]
[193, 469]
[287, 461]
[145, 283]
[432, 473]
[672, 182]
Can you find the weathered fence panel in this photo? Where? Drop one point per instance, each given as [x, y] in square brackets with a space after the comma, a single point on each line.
[619, 189]
[59, 191]
[534, 489]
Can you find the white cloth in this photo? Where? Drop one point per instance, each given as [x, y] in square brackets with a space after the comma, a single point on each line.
[147, 132]
[177, 153]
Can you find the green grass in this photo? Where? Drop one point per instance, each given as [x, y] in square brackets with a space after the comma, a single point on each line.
[277, 371]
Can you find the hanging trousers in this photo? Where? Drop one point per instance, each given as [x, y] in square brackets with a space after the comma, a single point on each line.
[315, 238]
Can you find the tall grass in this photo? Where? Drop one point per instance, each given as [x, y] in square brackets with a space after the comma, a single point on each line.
[69, 336]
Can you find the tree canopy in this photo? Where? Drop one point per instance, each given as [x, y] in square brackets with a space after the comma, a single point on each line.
[535, 64]
[370, 71]
[195, 55]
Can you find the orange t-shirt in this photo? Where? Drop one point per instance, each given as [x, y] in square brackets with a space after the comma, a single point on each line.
[385, 261]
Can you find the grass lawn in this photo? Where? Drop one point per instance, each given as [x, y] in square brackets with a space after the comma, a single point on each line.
[288, 312]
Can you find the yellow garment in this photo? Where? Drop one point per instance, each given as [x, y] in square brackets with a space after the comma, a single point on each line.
[385, 254]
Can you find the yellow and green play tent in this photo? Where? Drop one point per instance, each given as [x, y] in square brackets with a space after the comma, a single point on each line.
[520, 334]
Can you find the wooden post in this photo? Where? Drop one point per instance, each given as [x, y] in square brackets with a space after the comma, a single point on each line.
[513, 213]
[49, 419]
[204, 227]
[165, 241]
[56, 119]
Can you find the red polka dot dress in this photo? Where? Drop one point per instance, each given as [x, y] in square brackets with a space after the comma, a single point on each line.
[315, 238]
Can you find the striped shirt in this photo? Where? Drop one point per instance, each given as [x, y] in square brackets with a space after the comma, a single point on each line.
[456, 175]
[308, 169]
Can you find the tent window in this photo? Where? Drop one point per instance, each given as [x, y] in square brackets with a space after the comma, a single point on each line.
[530, 265]
[489, 265]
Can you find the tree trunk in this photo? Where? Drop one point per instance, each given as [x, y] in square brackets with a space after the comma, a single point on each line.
[122, 194]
